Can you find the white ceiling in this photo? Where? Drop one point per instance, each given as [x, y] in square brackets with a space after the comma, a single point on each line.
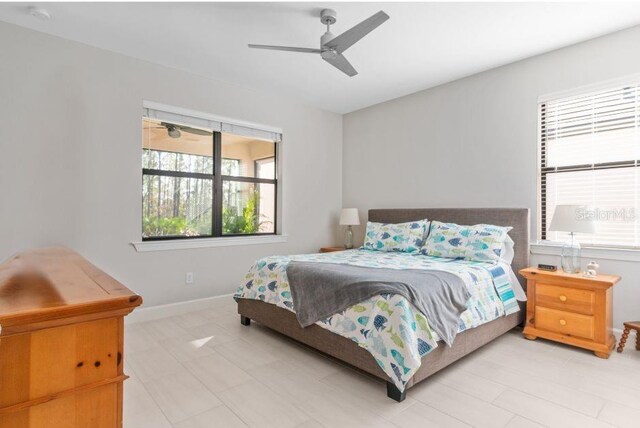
[422, 45]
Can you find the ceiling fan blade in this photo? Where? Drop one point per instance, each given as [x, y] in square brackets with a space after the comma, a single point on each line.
[286, 48]
[195, 131]
[341, 63]
[347, 39]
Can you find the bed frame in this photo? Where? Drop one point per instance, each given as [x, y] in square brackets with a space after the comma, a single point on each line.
[285, 322]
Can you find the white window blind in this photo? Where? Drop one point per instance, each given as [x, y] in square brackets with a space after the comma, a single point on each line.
[196, 119]
[590, 151]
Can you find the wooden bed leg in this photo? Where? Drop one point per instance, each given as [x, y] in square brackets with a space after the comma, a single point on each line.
[394, 393]
[245, 320]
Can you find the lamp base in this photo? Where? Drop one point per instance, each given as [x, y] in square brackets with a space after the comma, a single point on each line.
[570, 258]
[348, 238]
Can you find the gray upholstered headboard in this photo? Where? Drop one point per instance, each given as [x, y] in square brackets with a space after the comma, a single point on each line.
[518, 218]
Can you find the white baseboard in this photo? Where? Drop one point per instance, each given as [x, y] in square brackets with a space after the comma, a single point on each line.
[163, 311]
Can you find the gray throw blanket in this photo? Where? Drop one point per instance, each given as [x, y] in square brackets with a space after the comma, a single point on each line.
[320, 290]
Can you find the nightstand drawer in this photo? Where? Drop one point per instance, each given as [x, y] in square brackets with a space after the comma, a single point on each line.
[567, 323]
[565, 298]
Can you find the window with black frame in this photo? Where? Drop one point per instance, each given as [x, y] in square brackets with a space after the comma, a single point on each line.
[198, 182]
[589, 156]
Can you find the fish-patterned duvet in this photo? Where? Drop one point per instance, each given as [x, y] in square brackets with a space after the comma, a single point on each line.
[388, 326]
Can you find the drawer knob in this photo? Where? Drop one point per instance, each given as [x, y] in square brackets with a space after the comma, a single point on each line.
[563, 298]
[563, 322]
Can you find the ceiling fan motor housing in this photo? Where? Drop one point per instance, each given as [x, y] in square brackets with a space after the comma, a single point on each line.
[327, 53]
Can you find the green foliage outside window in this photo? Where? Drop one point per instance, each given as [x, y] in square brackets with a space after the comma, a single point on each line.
[174, 226]
[232, 222]
[245, 222]
[155, 226]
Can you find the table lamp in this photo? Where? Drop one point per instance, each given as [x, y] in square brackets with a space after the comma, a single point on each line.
[349, 217]
[572, 219]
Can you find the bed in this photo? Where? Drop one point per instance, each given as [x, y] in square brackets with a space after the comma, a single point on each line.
[398, 371]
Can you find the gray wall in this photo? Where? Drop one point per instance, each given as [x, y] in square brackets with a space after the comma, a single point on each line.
[70, 154]
[70, 162]
[473, 142]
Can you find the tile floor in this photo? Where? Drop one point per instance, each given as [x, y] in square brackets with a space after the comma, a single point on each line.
[205, 370]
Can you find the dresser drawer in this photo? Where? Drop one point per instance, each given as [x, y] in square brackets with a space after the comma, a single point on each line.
[567, 323]
[53, 360]
[95, 408]
[565, 298]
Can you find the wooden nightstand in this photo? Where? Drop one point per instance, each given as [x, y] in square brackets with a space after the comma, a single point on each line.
[571, 309]
[331, 249]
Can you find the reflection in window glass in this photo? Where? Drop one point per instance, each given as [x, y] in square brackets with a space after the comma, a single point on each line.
[172, 147]
[168, 161]
[230, 167]
[248, 208]
[266, 207]
[246, 152]
[176, 206]
[266, 168]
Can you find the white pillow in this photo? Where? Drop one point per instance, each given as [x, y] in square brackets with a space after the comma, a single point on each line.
[506, 256]
[506, 251]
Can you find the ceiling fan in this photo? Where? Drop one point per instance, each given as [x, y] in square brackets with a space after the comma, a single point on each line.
[175, 131]
[332, 47]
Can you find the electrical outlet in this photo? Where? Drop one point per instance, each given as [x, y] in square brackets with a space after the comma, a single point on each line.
[188, 278]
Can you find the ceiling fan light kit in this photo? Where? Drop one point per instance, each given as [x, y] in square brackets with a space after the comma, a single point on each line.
[175, 131]
[331, 46]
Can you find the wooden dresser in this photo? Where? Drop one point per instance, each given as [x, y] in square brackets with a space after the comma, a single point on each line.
[571, 308]
[61, 342]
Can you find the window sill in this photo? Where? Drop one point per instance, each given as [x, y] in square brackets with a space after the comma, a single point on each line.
[555, 249]
[186, 244]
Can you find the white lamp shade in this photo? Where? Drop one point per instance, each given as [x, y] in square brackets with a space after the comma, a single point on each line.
[572, 218]
[349, 217]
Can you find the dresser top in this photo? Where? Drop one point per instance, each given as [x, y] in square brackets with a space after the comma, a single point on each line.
[600, 279]
[54, 283]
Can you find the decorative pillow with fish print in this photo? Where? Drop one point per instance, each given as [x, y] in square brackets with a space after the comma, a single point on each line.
[480, 243]
[399, 237]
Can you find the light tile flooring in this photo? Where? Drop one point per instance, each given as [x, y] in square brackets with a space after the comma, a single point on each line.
[205, 370]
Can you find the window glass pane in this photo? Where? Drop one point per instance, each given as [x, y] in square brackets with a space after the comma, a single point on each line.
[230, 167]
[612, 193]
[267, 207]
[266, 168]
[174, 206]
[245, 152]
[173, 147]
[247, 207]
[614, 146]
[596, 137]
[594, 128]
